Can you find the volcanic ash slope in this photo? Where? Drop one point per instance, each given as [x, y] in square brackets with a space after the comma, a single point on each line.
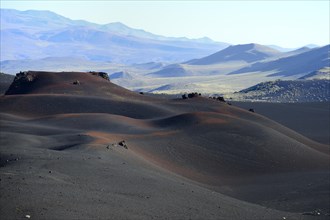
[74, 145]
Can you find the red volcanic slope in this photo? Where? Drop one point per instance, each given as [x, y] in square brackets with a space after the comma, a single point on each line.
[224, 148]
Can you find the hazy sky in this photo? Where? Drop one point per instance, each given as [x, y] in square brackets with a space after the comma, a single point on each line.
[284, 23]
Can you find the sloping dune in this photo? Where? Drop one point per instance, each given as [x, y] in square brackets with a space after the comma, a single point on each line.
[181, 159]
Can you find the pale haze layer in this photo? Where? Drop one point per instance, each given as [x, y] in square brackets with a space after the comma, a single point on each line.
[285, 23]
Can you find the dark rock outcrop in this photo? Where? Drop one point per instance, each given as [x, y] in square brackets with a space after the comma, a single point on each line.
[218, 98]
[191, 95]
[21, 81]
[101, 74]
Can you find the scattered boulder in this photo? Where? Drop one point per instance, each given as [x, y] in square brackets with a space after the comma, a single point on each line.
[251, 110]
[123, 144]
[76, 82]
[218, 98]
[221, 99]
[191, 95]
[141, 93]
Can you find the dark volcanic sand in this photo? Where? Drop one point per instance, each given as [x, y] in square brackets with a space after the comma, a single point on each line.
[311, 119]
[185, 159]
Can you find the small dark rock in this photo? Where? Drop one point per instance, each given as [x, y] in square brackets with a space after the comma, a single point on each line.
[192, 95]
[221, 99]
[76, 82]
[251, 110]
[123, 144]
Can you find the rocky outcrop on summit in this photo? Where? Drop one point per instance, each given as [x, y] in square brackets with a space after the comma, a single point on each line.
[101, 74]
[36, 82]
[21, 81]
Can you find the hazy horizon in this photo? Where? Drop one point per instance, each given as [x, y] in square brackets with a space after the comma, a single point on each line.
[290, 24]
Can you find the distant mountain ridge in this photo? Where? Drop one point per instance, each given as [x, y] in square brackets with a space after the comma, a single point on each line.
[297, 64]
[142, 61]
[251, 59]
[38, 34]
[244, 52]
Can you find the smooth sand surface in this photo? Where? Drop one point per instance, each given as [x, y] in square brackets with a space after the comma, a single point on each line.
[309, 119]
[181, 159]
